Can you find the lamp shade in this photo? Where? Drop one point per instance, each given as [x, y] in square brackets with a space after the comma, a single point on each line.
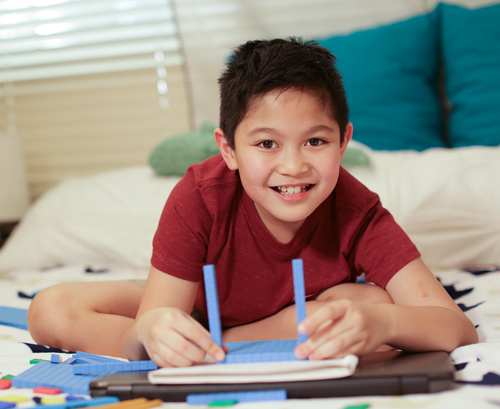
[14, 197]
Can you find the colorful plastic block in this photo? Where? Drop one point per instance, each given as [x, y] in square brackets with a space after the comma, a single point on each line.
[300, 294]
[105, 400]
[114, 367]
[51, 400]
[260, 351]
[5, 383]
[55, 376]
[37, 360]
[70, 398]
[15, 398]
[91, 358]
[55, 359]
[212, 303]
[45, 390]
[7, 405]
[251, 396]
[14, 317]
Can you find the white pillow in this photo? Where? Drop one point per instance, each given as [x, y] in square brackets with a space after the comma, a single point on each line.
[107, 219]
[447, 201]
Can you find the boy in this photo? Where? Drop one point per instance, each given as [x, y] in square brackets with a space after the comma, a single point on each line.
[275, 193]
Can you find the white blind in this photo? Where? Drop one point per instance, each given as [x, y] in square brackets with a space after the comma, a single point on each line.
[89, 85]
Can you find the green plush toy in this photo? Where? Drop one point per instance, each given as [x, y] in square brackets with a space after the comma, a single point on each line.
[174, 155]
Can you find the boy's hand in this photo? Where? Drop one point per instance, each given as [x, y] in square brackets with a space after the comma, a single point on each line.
[343, 327]
[172, 337]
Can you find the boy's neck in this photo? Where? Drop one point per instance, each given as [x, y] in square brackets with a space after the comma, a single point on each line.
[281, 231]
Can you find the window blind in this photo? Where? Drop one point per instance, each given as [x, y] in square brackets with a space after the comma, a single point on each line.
[89, 85]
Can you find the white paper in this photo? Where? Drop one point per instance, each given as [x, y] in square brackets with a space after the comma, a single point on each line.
[259, 372]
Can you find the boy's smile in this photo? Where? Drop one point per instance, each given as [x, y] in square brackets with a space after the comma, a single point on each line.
[288, 154]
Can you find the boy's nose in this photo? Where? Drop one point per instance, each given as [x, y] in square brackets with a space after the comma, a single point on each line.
[292, 163]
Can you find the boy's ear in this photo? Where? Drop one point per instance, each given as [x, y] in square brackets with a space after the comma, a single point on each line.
[347, 139]
[225, 149]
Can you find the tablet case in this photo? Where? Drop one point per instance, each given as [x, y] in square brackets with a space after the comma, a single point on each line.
[378, 373]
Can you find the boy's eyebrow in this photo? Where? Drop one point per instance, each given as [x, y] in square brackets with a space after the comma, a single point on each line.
[271, 131]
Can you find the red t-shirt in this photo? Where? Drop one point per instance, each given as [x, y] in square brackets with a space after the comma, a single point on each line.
[209, 219]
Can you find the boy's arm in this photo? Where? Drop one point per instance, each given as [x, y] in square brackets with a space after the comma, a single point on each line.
[422, 318]
[437, 313]
[164, 330]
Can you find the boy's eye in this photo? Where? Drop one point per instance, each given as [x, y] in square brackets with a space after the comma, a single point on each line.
[267, 144]
[315, 142]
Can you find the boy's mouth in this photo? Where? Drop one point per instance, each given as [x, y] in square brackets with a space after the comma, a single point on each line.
[291, 190]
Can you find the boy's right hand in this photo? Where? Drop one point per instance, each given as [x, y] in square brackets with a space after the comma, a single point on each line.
[172, 337]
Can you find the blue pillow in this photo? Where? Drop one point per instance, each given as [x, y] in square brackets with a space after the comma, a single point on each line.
[471, 52]
[390, 74]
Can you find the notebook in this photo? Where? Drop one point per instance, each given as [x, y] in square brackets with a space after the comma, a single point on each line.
[378, 373]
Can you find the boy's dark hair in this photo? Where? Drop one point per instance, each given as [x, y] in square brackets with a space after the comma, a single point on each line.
[260, 66]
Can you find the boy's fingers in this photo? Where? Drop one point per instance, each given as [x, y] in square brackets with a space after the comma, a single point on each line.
[332, 344]
[197, 334]
[331, 311]
[176, 351]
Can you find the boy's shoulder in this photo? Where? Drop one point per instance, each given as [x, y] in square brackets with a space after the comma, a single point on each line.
[350, 192]
[211, 173]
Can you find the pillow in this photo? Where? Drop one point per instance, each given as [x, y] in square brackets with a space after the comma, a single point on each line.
[174, 155]
[446, 200]
[471, 52]
[108, 219]
[390, 75]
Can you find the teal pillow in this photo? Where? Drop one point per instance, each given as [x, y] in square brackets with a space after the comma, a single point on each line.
[390, 74]
[471, 52]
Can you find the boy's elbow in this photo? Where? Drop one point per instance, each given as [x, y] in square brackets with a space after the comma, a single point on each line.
[468, 336]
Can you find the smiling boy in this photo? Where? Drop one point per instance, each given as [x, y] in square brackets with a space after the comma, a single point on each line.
[276, 192]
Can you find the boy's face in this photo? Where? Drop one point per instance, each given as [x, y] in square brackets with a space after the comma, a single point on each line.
[288, 153]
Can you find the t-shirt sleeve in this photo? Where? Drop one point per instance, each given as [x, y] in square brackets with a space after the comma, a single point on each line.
[180, 242]
[381, 248]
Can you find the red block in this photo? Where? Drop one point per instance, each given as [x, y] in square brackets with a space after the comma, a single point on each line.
[5, 383]
[47, 390]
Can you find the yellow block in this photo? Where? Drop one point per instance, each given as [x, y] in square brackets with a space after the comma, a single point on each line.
[53, 399]
[14, 398]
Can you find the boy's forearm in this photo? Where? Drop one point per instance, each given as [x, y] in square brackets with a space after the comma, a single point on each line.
[425, 328]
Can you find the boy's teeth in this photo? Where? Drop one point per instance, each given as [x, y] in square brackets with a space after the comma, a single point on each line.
[290, 190]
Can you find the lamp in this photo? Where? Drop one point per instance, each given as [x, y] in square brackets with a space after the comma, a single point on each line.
[14, 196]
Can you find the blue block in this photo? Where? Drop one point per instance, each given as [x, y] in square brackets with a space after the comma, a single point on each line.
[255, 351]
[55, 376]
[55, 359]
[212, 303]
[81, 403]
[122, 366]
[14, 317]
[250, 396]
[92, 358]
[300, 294]
[261, 351]
[7, 405]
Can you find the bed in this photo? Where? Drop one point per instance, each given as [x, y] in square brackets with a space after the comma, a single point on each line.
[439, 181]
